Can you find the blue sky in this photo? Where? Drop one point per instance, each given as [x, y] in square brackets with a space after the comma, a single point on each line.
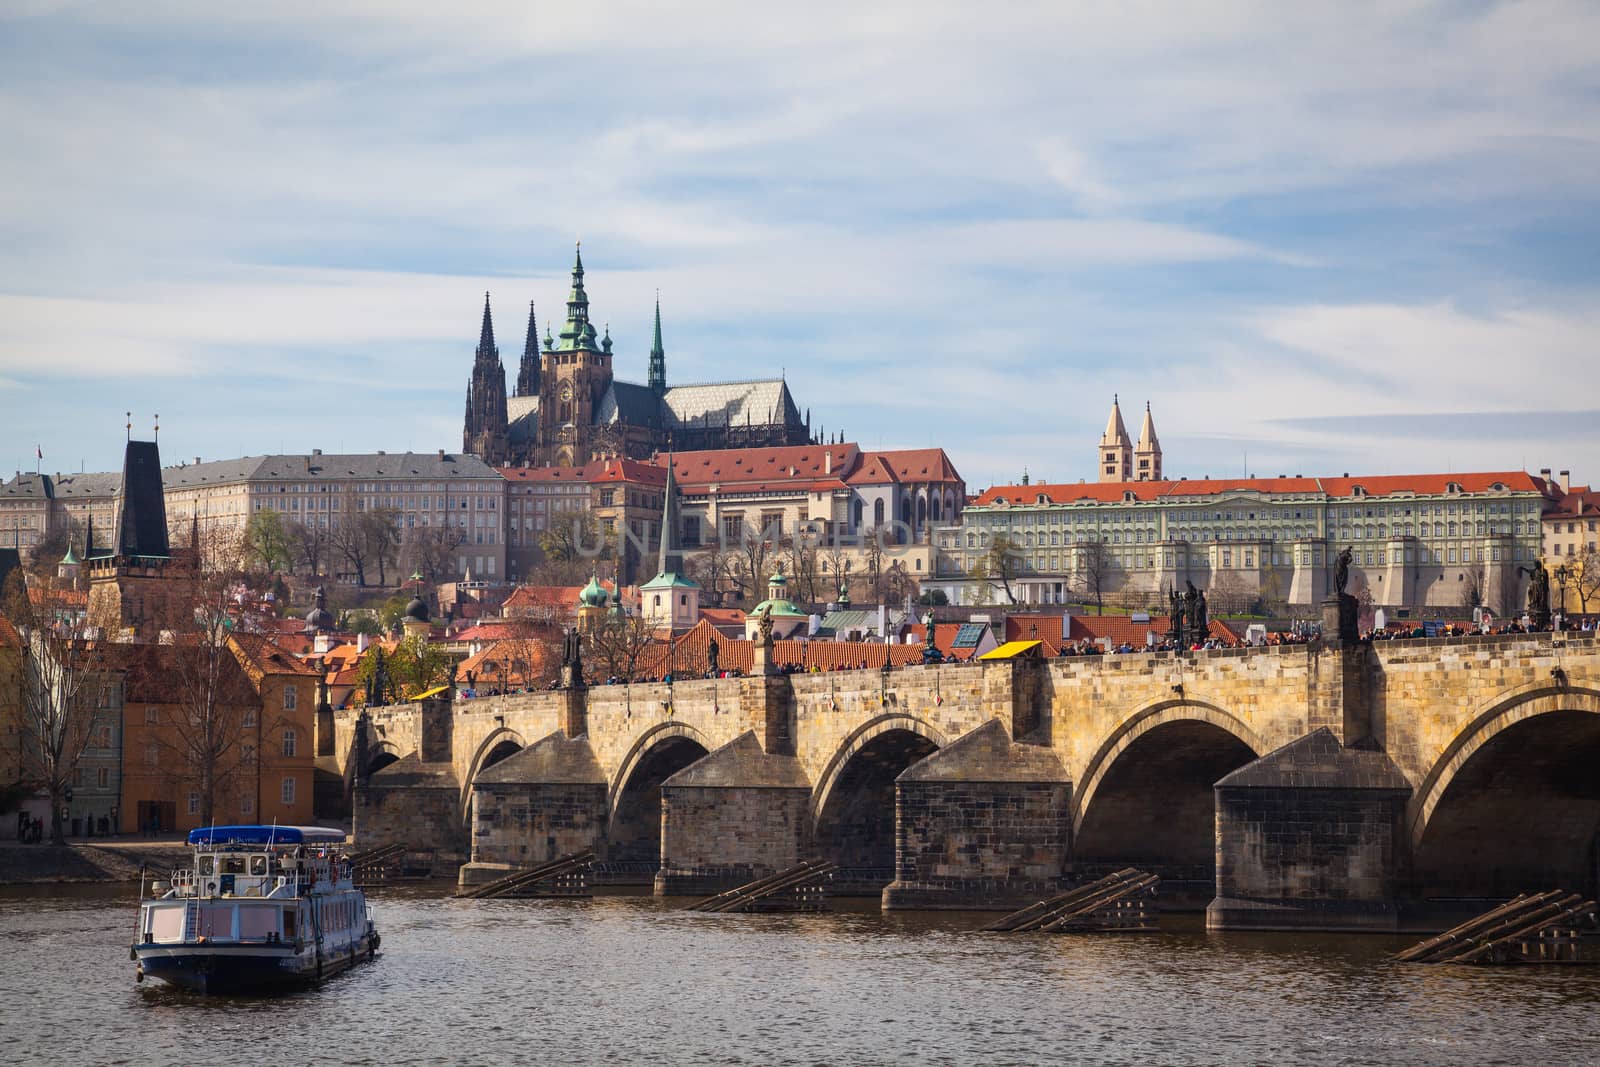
[1316, 238]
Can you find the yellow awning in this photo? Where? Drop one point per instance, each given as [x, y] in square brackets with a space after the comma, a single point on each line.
[1013, 649]
[435, 691]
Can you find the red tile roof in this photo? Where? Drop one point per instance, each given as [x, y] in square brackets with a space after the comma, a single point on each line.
[9, 638]
[1375, 485]
[913, 465]
[1581, 503]
[625, 470]
[516, 662]
[780, 465]
[269, 658]
[944, 635]
[1121, 629]
[542, 474]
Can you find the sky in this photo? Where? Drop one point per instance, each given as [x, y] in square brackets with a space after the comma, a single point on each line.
[1315, 238]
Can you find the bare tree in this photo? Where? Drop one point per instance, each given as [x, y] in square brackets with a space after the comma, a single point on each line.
[750, 555]
[204, 601]
[310, 544]
[1096, 572]
[999, 564]
[872, 553]
[619, 642]
[1586, 579]
[800, 560]
[712, 568]
[59, 681]
[573, 535]
[836, 566]
[366, 539]
[430, 551]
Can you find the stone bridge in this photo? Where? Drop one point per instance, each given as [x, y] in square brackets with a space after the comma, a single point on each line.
[1311, 785]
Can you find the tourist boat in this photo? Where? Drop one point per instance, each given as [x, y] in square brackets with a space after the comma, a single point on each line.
[264, 908]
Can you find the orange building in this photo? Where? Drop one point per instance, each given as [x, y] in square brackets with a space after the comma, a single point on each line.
[283, 741]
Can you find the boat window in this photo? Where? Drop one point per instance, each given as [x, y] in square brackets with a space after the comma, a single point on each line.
[258, 865]
[288, 925]
[206, 864]
[233, 865]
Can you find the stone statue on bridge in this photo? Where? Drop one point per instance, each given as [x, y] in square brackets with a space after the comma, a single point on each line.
[1538, 595]
[764, 626]
[1341, 570]
[1200, 621]
[571, 657]
[1175, 618]
[712, 656]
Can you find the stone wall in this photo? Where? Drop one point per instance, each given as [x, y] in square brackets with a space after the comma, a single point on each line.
[523, 824]
[714, 839]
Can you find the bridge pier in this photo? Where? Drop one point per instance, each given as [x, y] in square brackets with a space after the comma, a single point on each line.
[735, 815]
[982, 823]
[1310, 837]
[545, 802]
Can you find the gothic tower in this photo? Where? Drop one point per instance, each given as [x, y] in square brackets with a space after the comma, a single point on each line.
[1147, 455]
[658, 358]
[528, 372]
[1115, 459]
[484, 434]
[577, 370]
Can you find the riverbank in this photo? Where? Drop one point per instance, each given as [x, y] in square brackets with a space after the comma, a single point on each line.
[76, 862]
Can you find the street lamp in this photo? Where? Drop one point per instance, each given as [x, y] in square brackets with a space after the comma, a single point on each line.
[1563, 575]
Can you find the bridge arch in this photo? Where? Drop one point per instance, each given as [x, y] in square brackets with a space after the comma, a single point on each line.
[1513, 801]
[633, 825]
[853, 805]
[1146, 797]
[501, 743]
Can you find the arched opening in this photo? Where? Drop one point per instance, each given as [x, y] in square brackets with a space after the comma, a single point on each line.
[1153, 807]
[500, 751]
[635, 833]
[382, 760]
[1521, 814]
[855, 826]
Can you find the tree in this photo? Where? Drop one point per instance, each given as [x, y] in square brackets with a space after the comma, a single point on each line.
[204, 599]
[898, 585]
[58, 679]
[419, 665]
[750, 560]
[48, 550]
[310, 544]
[800, 561]
[431, 551]
[1000, 563]
[366, 539]
[713, 570]
[1586, 580]
[267, 542]
[618, 642]
[1096, 572]
[933, 598]
[573, 535]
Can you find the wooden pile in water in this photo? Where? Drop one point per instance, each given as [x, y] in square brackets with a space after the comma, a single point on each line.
[800, 888]
[567, 876]
[1117, 903]
[1551, 927]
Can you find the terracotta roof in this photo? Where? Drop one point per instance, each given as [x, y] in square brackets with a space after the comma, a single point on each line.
[1121, 629]
[767, 465]
[523, 663]
[944, 638]
[1375, 485]
[914, 465]
[269, 658]
[625, 470]
[9, 638]
[1581, 503]
[688, 657]
[155, 674]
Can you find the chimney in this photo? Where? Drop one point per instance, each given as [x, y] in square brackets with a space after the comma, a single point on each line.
[361, 643]
[827, 463]
[314, 452]
[441, 453]
[1544, 472]
[1566, 481]
[196, 462]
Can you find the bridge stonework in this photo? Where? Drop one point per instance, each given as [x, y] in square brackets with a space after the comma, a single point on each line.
[1485, 738]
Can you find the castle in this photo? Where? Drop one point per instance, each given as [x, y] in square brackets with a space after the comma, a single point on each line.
[568, 408]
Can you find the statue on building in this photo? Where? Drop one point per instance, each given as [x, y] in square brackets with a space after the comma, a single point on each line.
[764, 626]
[1538, 595]
[1201, 622]
[712, 655]
[930, 651]
[1175, 618]
[379, 687]
[571, 657]
[1341, 570]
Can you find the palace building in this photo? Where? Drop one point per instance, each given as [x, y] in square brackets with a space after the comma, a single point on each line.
[568, 408]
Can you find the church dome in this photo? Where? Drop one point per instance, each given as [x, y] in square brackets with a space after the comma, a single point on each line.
[319, 617]
[417, 611]
[593, 594]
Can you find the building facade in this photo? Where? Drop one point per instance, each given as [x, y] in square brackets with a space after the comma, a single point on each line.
[568, 407]
[1417, 541]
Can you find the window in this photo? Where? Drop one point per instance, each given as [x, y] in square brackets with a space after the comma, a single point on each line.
[194, 803]
[287, 794]
[249, 717]
[152, 715]
[102, 777]
[288, 742]
[247, 805]
[152, 753]
[290, 697]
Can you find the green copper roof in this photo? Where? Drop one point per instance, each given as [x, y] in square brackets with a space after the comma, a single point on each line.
[593, 594]
[578, 334]
[69, 558]
[670, 580]
[781, 609]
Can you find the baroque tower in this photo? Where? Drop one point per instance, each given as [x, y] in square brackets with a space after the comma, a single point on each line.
[1147, 455]
[1115, 458]
[485, 433]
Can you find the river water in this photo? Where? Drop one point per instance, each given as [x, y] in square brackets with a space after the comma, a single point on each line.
[629, 979]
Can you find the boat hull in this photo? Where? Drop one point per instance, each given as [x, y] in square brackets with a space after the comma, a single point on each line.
[235, 969]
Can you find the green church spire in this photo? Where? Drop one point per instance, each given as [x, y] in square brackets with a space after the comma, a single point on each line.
[578, 333]
[658, 356]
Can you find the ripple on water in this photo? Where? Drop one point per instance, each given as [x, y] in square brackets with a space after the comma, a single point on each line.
[634, 980]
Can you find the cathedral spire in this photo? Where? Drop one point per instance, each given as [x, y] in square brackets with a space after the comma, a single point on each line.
[578, 333]
[1115, 457]
[658, 356]
[1147, 455]
[528, 372]
[486, 348]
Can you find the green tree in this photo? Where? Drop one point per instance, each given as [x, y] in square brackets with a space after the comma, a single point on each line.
[572, 535]
[1001, 562]
[413, 666]
[267, 542]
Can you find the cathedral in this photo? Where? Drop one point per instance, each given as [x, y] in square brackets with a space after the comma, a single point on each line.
[568, 408]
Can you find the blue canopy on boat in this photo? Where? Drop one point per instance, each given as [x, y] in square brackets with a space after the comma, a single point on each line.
[265, 835]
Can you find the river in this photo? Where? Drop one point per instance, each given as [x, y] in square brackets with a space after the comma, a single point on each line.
[629, 979]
